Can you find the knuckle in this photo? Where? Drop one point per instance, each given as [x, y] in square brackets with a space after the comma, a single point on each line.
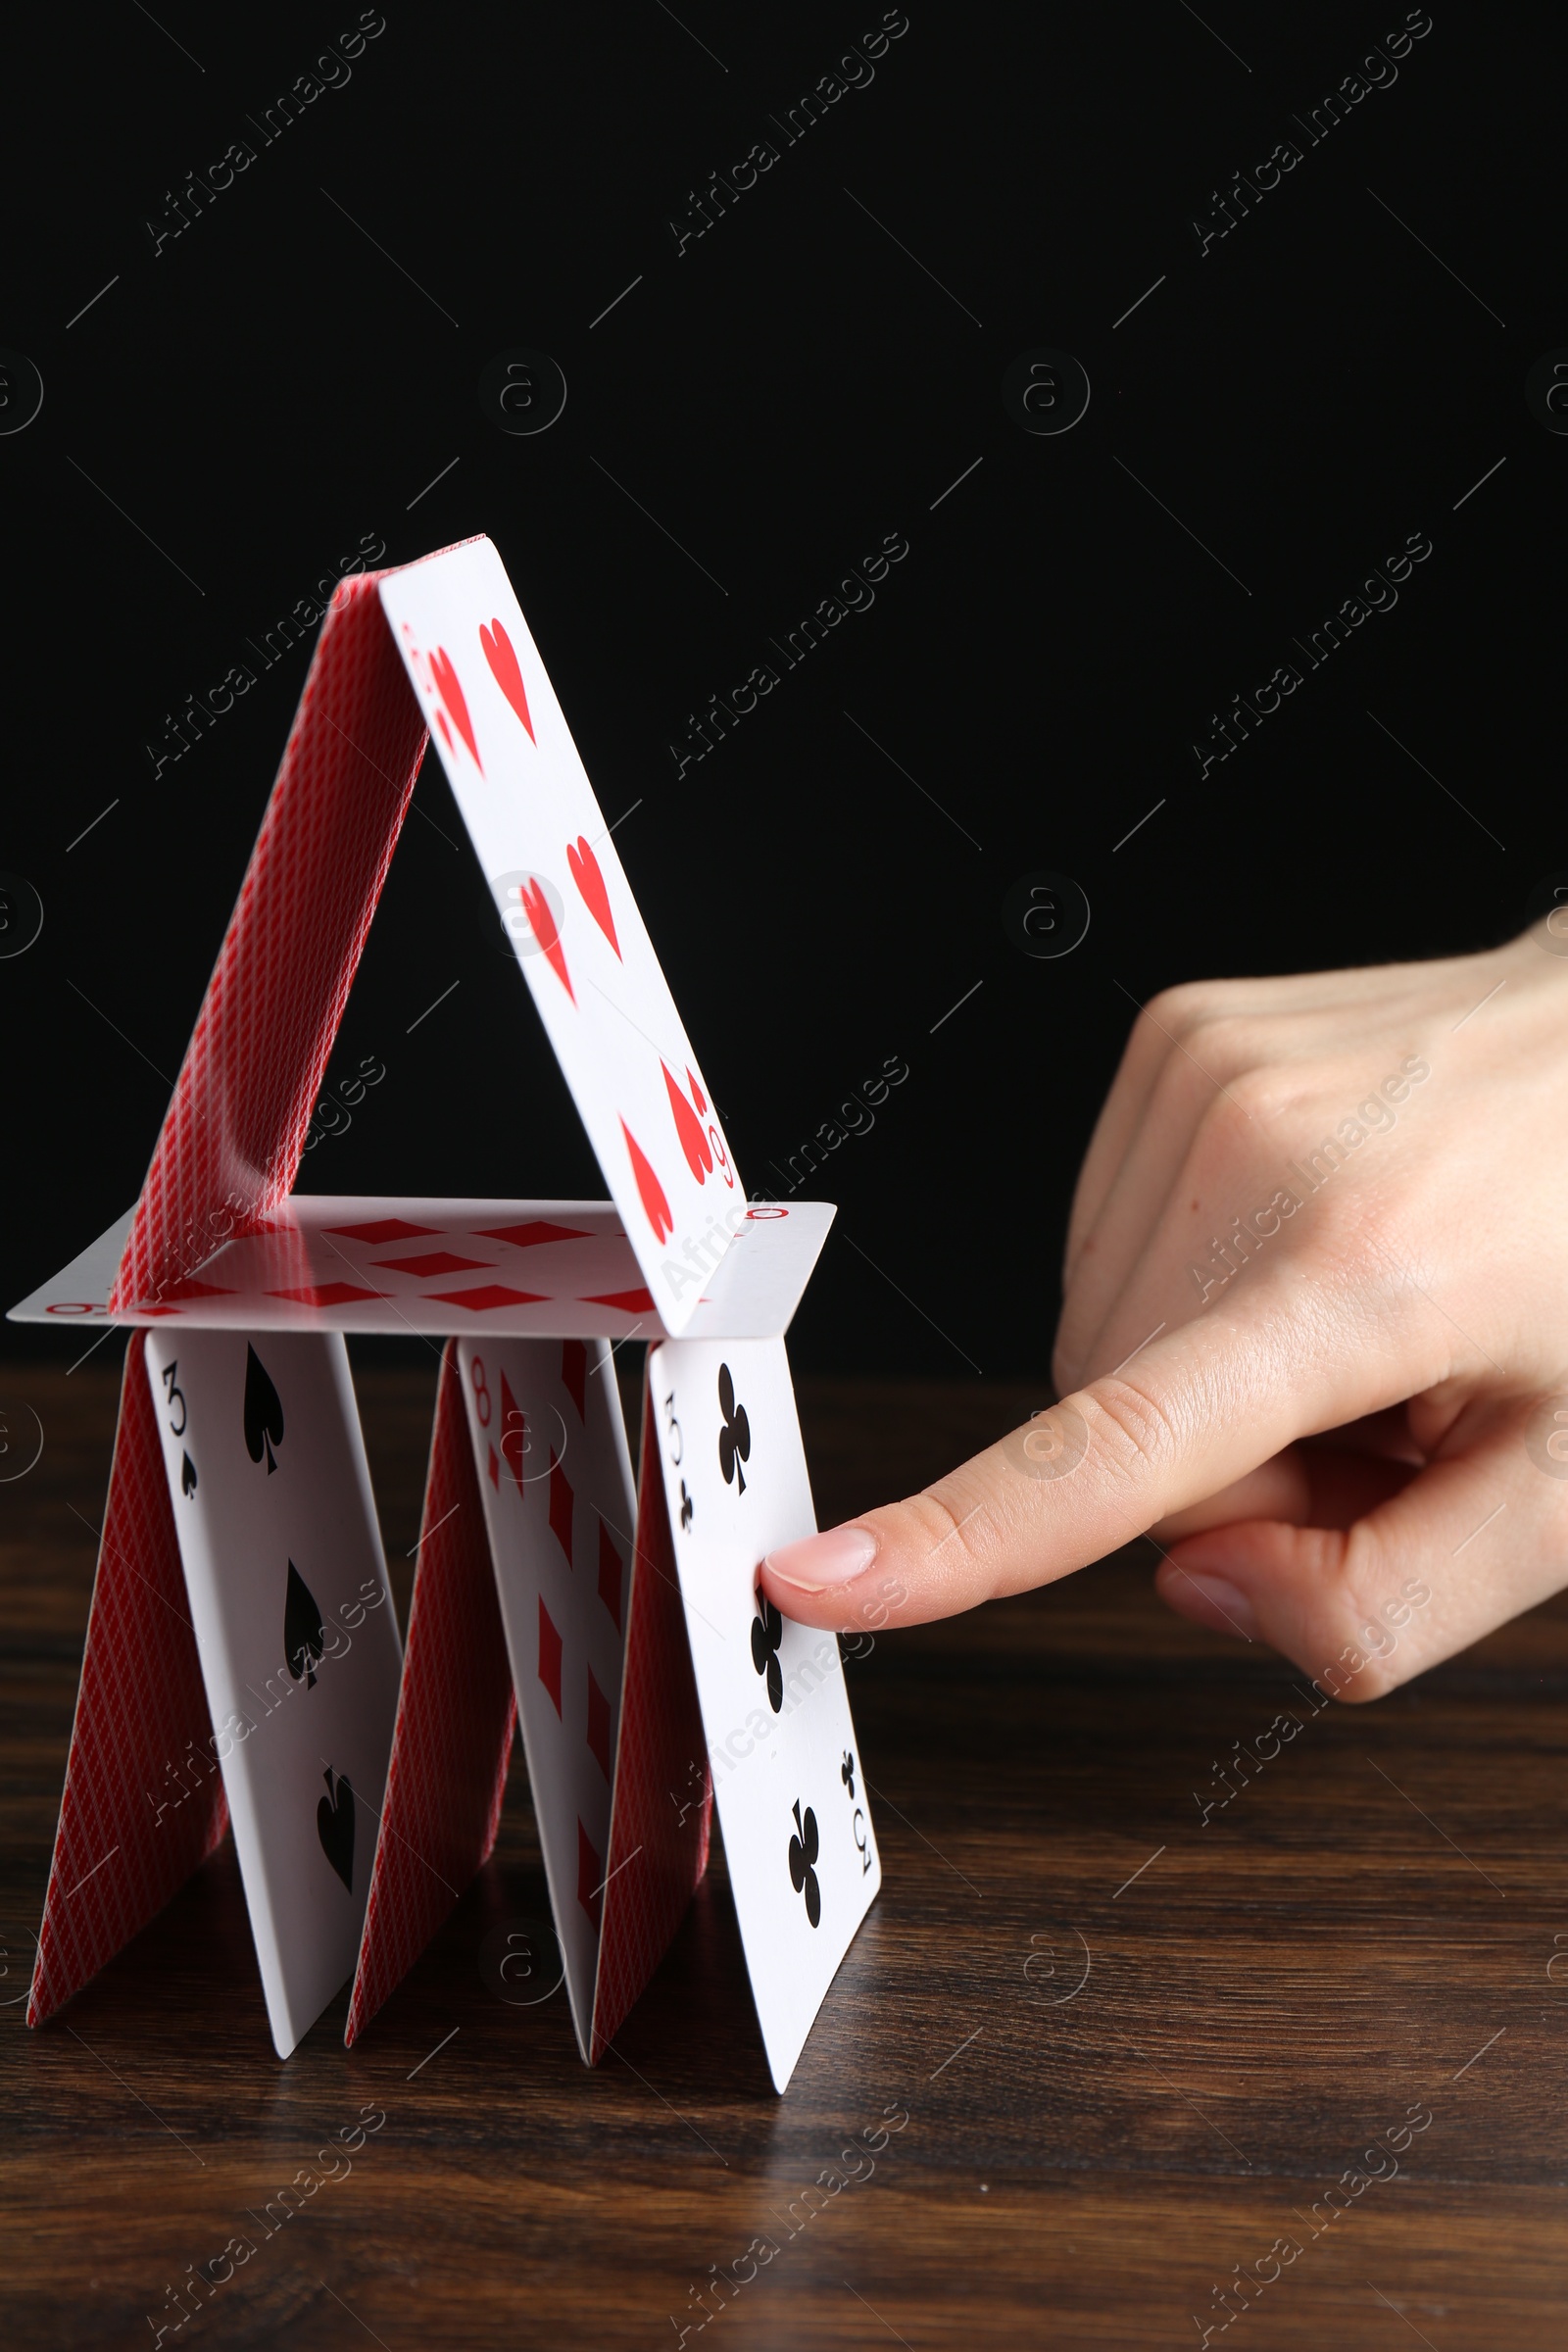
[1227, 1160]
[1251, 1088]
[1134, 1429]
[1180, 1009]
[1358, 1245]
[1235, 1125]
[1226, 1043]
[1372, 1678]
[1180, 1096]
[1371, 1618]
[945, 1527]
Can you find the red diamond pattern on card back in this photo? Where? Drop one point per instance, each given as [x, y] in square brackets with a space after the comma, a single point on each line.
[574, 1375]
[598, 1725]
[561, 1501]
[657, 1853]
[235, 1129]
[548, 1654]
[590, 1876]
[453, 1736]
[140, 1708]
[610, 1574]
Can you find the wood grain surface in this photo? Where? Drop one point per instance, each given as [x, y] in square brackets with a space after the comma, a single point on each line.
[1091, 2060]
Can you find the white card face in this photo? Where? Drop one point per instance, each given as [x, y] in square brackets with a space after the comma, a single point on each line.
[555, 1472]
[298, 1637]
[787, 1776]
[521, 1269]
[550, 859]
[79, 1291]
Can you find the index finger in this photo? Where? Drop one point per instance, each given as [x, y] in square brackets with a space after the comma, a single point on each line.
[1195, 1412]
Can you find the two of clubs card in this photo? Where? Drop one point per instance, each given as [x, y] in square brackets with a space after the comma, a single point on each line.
[556, 1483]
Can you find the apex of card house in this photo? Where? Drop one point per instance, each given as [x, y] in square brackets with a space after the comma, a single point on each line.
[438, 645]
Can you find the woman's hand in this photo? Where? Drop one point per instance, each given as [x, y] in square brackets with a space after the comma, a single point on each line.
[1314, 1338]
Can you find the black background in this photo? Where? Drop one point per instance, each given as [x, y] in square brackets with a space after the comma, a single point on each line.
[271, 385]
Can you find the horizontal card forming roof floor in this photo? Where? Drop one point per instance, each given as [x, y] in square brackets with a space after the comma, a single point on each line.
[540, 1269]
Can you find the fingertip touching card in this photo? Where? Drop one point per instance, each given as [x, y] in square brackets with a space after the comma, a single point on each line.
[243, 1663]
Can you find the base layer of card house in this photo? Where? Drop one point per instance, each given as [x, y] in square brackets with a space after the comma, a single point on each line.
[547, 1595]
[225, 1676]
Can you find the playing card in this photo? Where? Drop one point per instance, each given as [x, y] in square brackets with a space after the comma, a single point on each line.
[236, 1123]
[447, 1776]
[791, 1796]
[521, 1269]
[79, 1291]
[143, 1802]
[555, 1474]
[549, 855]
[296, 1632]
[661, 1818]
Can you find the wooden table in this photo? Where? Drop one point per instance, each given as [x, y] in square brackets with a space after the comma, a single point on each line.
[1088, 2054]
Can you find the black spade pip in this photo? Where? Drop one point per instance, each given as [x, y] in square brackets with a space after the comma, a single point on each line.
[303, 1633]
[264, 1411]
[334, 1826]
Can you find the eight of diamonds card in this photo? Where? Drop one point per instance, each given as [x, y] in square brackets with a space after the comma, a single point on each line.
[792, 1807]
[555, 1475]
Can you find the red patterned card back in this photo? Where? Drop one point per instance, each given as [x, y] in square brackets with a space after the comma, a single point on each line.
[143, 1802]
[663, 1813]
[455, 1712]
[235, 1128]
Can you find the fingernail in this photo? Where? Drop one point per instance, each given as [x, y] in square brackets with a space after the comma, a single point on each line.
[817, 1562]
[1222, 1606]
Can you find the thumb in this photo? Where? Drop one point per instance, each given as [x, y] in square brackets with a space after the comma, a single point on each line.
[1195, 1412]
[1467, 1545]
